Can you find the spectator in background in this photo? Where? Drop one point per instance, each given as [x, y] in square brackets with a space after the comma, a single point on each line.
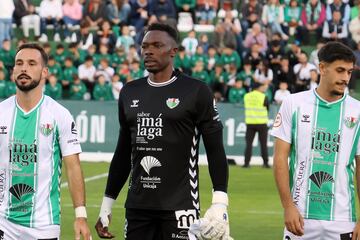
[237, 92]
[293, 53]
[105, 36]
[162, 11]
[77, 89]
[246, 75]
[355, 10]
[133, 54]
[116, 86]
[342, 7]
[263, 74]
[281, 93]
[118, 12]
[355, 77]
[102, 90]
[314, 58]
[292, 15]
[190, 43]
[3, 84]
[354, 28]
[105, 70]
[219, 78]
[274, 56]
[75, 54]
[213, 58]
[135, 71]
[72, 15]
[186, 6]
[254, 56]
[228, 56]
[313, 16]
[200, 73]
[139, 15]
[55, 68]
[336, 29]
[286, 74]
[53, 88]
[87, 72]
[125, 40]
[26, 16]
[305, 73]
[204, 41]
[118, 57]
[251, 14]
[255, 35]
[10, 87]
[273, 17]
[6, 14]
[86, 38]
[232, 28]
[199, 56]
[69, 73]
[7, 54]
[207, 10]
[61, 54]
[94, 13]
[182, 61]
[50, 12]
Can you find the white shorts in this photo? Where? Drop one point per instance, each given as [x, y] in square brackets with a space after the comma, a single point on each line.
[12, 231]
[323, 230]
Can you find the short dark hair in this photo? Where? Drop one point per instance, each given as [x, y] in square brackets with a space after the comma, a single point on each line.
[35, 46]
[173, 33]
[333, 51]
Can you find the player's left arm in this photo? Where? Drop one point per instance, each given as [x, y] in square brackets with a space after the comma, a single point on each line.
[356, 232]
[77, 191]
[216, 224]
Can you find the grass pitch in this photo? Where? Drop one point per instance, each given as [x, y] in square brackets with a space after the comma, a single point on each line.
[255, 211]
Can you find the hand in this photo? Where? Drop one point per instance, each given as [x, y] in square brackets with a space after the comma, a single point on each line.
[294, 222]
[102, 228]
[356, 232]
[103, 222]
[81, 228]
[217, 217]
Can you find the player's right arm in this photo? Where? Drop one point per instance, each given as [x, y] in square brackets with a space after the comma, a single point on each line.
[283, 139]
[119, 171]
[293, 220]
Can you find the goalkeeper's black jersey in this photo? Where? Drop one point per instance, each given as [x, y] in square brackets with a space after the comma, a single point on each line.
[164, 123]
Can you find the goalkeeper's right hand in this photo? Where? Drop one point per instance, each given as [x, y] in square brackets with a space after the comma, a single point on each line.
[103, 222]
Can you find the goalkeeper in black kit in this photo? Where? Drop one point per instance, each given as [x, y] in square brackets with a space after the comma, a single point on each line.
[161, 119]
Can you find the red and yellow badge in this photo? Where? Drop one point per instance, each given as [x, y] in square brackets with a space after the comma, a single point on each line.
[46, 129]
[350, 122]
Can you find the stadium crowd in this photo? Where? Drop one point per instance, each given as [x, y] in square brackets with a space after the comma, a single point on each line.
[96, 43]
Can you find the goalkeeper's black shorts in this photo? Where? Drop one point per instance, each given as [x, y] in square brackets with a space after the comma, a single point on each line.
[158, 225]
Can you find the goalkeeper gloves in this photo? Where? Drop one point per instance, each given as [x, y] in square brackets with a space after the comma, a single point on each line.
[215, 224]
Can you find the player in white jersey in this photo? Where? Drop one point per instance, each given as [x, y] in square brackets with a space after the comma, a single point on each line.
[318, 130]
[36, 135]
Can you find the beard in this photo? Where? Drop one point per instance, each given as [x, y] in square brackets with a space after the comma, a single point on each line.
[26, 88]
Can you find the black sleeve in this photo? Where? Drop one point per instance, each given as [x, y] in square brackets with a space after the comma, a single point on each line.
[266, 103]
[121, 162]
[218, 166]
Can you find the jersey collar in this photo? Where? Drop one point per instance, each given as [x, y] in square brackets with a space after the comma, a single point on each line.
[33, 109]
[171, 80]
[327, 103]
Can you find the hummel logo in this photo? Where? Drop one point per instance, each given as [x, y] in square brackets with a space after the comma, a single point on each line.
[305, 118]
[3, 129]
[135, 103]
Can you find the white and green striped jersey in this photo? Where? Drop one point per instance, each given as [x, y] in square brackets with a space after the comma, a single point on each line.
[324, 138]
[32, 145]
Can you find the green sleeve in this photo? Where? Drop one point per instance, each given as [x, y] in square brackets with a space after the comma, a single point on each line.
[96, 92]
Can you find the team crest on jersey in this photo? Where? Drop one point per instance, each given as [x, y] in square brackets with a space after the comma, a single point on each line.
[172, 102]
[350, 122]
[46, 129]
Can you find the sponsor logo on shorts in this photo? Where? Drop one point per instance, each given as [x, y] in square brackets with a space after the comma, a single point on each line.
[183, 234]
[346, 236]
[185, 218]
